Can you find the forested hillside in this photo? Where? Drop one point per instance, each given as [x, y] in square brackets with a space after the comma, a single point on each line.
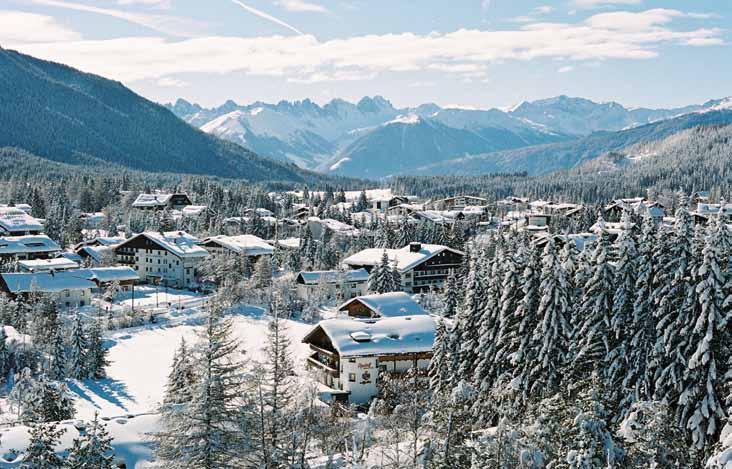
[692, 159]
[64, 115]
[544, 159]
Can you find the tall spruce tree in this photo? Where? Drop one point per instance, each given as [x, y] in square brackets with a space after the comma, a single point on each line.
[701, 406]
[92, 450]
[206, 432]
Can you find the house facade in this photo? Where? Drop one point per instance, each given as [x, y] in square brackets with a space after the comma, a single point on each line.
[169, 258]
[174, 201]
[422, 266]
[242, 245]
[331, 284]
[348, 355]
[28, 247]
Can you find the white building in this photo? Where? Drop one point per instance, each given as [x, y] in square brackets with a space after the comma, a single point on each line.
[347, 355]
[46, 265]
[70, 288]
[16, 222]
[332, 284]
[243, 245]
[171, 258]
[28, 247]
[385, 305]
[423, 266]
[161, 201]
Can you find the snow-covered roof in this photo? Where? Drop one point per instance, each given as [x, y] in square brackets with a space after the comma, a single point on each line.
[45, 282]
[178, 243]
[388, 336]
[102, 241]
[333, 276]
[24, 207]
[14, 220]
[334, 225]
[713, 209]
[152, 200]
[404, 258]
[43, 265]
[288, 243]
[193, 210]
[27, 244]
[249, 245]
[97, 253]
[79, 279]
[388, 305]
[113, 274]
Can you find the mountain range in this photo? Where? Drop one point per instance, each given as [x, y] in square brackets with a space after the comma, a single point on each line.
[61, 114]
[374, 139]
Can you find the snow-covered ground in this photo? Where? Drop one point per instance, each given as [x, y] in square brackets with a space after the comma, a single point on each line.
[140, 360]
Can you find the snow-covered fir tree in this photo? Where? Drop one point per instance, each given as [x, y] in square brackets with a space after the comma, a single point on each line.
[78, 350]
[41, 451]
[92, 450]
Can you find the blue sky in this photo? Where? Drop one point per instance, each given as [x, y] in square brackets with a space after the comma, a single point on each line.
[470, 53]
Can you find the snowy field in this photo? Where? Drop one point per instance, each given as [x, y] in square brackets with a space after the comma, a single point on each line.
[140, 360]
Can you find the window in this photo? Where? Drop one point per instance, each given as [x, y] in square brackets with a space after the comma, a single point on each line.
[352, 377]
[382, 368]
[351, 360]
[366, 376]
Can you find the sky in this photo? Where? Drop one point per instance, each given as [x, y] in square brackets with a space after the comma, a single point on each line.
[463, 53]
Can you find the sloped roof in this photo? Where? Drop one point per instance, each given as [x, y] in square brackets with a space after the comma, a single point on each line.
[333, 276]
[151, 200]
[13, 219]
[404, 258]
[78, 279]
[389, 305]
[249, 245]
[27, 244]
[58, 263]
[179, 243]
[389, 336]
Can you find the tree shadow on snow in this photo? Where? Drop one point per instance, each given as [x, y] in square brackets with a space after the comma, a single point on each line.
[110, 390]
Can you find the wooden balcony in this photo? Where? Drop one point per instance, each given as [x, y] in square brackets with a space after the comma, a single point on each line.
[315, 363]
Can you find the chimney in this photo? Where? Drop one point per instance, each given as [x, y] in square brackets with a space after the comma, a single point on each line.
[415, 247]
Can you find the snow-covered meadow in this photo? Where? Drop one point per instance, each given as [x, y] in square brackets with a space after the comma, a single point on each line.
[140, 361]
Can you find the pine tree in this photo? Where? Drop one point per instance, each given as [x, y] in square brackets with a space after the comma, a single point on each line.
[592, 445]
[675, 297]
[276, 390]
[41, 452]
[96, 355]
[508, 338]
[589, 348]
[206, 432]
[701, 409]
[381, 279]
[396, 279]
[182, 376]
[439, 372]
[552, 334]
[450, 296]
[524, 356]
[468, 320]
[78, 351]
[92, 450]
[621, 316]
[4, 355]
[486, 372]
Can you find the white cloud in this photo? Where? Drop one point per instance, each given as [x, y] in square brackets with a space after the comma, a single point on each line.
[543, 10]
[163, 24]
[170, 82]
[154, 3]
[19, 27]
[465, 53]
[266, 16]
[422, 84]
[566, 69]
[602, 3]
[485, 4]
[302, 6]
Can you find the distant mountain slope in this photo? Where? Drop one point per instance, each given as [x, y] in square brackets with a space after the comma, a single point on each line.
[409, 142]
[544, 159]
[357, 139]
[317, 137]
[578, 116]
[62, 114]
